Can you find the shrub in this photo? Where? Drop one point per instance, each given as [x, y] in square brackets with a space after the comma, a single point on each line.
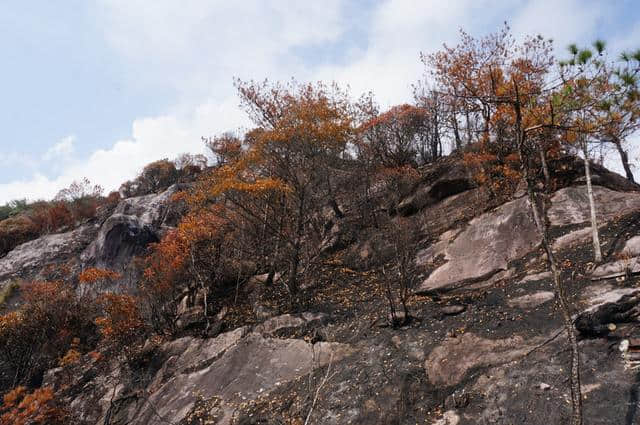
[52, 320]
[39, 407]
[13, 208]
[121, 325]
[15, 231]
[98, 278]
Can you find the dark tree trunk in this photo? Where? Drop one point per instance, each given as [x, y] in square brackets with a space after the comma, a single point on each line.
[624, 158]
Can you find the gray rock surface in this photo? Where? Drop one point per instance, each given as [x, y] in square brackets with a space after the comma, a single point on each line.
[484, 247]
[30, 257]
[632, 247]
[452, 182]
[503, 361]
[233, 373]
[448, 363]
[290, 321]
[134, 224]
[531, 300]
[571, 205]
[617, 268]
[572, 238]
[536, 277]
[121, 237]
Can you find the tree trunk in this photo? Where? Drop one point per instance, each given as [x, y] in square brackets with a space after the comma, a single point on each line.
[541, 223]
[592, 206]
[469, 136]
[294, 263]
[543, 228]
[624, 158]
[456, 131]
[545, 168]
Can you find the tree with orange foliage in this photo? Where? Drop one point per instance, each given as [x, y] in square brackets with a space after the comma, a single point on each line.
[98, 278]
[194, 255]
[513, 86]
[225, 148]
[283, 178]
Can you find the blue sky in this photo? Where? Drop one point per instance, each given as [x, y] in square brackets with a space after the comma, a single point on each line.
[100, 88]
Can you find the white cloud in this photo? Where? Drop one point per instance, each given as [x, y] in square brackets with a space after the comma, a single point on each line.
[566, 21]
[63, 149]
[195, 48]
[151, 139]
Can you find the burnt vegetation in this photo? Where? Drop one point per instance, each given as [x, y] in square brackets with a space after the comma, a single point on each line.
[282, 215]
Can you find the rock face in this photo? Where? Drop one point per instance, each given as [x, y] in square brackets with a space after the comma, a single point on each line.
[448, 363]
[485, 247]
[494, 355]
[572, 238]
[454, 180]
[134, 224]
[30, 257]
[531, 300]
[121, 237]
[219, 373]
[571, 205]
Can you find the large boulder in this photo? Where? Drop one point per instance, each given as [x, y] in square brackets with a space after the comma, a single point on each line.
[483, 248]
[135, 223]
[153, 210]
[121, 237]
[451, 181]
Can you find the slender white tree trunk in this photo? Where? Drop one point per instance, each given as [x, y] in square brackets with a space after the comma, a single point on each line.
[592, 205]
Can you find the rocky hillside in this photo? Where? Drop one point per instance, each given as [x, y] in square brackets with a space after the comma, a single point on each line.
[483, 343]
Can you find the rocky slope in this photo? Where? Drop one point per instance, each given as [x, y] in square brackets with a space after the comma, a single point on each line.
[485, 345]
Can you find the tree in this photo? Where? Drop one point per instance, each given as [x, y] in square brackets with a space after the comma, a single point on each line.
[624, 109]
[158, 175]
[195, 256]
[79, 190]
[601, 105]
[96, 279]
[191, 160]
[225, 148]
[399, 276]
[121, 324]
[513, 86]
[401, 135]
[609, 93]
[278, 185]
[81, 198]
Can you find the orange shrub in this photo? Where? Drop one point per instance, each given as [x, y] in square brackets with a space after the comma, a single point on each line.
[122, 323]
[94, 274]
[50, 322]
[36, 408]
